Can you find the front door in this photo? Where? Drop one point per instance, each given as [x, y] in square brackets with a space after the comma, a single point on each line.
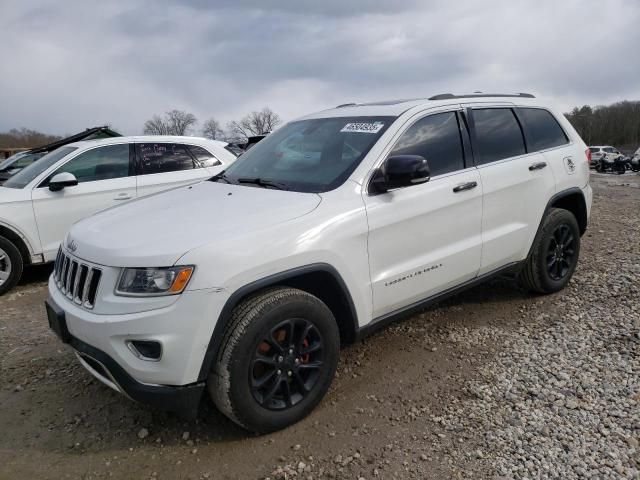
[104, 179]
[426, 238]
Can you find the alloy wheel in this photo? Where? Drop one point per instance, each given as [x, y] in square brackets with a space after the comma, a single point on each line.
[5, 266]
[286, 364]
[561, 252]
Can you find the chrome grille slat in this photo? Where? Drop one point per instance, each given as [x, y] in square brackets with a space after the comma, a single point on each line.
[76, 280]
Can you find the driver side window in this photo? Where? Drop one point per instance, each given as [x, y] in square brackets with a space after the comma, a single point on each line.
[436, 138]
[102, 163]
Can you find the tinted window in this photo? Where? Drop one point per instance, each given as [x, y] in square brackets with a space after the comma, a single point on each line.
[608, 149]
[498, 134]
[164, 157]
[594, 149]
[205, 158]
[542, 130]
[102, 163]
[28, 174]
[436, 138]
[315, 155]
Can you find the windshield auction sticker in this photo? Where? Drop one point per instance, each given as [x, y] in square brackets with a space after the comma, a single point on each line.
[362, 127]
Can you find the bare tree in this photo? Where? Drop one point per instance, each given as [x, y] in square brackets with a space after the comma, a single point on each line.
[174, 122]
[211, 129]
[256, 123]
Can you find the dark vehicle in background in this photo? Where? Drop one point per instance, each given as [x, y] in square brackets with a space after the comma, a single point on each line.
[12, 165]
[635, 161]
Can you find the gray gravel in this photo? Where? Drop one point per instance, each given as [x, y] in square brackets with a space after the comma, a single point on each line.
[561, 399]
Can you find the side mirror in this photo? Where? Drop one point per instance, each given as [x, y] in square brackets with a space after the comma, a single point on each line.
[400, 171]
[62, 180]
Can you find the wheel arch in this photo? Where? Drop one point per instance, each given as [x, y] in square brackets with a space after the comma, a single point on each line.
[18, 241]
[319, 279]
[572, 200]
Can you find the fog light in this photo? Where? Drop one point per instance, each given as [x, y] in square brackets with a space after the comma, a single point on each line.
[148, 350]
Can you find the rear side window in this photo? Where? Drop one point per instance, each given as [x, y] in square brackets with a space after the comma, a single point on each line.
[436, 138]
[164, 158]
[541, 129]
[205, 158]
[498, 134]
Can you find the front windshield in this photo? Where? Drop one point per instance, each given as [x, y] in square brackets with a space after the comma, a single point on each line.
[8, 161]
[314, 155]
[27, 174]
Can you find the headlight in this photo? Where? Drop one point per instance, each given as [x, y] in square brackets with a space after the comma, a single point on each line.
[153, 281]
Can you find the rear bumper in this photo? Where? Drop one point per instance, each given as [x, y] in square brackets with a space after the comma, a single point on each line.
[184, 399]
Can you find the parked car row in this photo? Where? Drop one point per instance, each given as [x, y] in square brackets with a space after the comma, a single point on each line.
[609, 159]
[39, 203]
[243, 287]
[12, 165]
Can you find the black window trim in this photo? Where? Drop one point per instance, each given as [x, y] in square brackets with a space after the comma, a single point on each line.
[517, 108]
[48, 175]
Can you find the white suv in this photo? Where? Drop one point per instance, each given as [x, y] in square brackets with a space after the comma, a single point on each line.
[332, 226]
[39, 203]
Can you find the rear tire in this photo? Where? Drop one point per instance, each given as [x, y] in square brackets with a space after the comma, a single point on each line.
[278, 357]
[11, 265]
[554, 254]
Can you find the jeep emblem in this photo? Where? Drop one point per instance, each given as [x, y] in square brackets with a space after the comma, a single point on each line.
[72, 246]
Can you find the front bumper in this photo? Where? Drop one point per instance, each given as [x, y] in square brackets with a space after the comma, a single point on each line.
[183, 399]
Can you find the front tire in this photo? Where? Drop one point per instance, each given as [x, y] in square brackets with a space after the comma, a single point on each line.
[554, 254]
[278, 357]
[11, 265]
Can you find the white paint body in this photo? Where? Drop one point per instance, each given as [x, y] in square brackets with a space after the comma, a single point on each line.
[41, 217]
[371, 240]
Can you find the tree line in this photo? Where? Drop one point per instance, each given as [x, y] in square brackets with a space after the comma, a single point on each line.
[179, 122]
[617, 124]
[25, 138]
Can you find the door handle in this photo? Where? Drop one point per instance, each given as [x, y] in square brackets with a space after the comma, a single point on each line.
[123, 197]
[464, 186]
[537, 166]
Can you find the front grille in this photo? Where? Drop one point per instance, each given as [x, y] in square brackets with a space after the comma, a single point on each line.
[78, 281]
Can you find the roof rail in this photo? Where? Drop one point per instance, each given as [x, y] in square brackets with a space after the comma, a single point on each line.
[347, 105]
[450, 96]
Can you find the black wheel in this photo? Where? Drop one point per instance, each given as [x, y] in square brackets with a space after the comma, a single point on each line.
[11, 265]
[554, 254]
[277, 359]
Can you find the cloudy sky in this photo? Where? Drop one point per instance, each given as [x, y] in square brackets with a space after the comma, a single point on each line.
[78, 63]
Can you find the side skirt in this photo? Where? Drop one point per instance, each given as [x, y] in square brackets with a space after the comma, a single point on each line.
[404, 312]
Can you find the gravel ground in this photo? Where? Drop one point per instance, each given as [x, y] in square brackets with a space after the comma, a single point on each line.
[493, 383]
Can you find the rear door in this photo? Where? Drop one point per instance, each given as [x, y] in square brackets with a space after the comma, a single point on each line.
[517, 184]
[164, 165]
[105, 178]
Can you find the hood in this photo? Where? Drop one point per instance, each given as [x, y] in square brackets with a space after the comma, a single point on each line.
[157, 230]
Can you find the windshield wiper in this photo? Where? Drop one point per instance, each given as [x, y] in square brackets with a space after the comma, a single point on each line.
[264, 183]
[220, 176]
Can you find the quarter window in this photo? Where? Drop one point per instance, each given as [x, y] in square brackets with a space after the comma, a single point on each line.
[205, 158]
[541, 128]
[498, 134]
[436, 138]
[163, 158]
[102, 163]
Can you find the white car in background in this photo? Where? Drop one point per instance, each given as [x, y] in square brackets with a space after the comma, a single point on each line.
[39, 203]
